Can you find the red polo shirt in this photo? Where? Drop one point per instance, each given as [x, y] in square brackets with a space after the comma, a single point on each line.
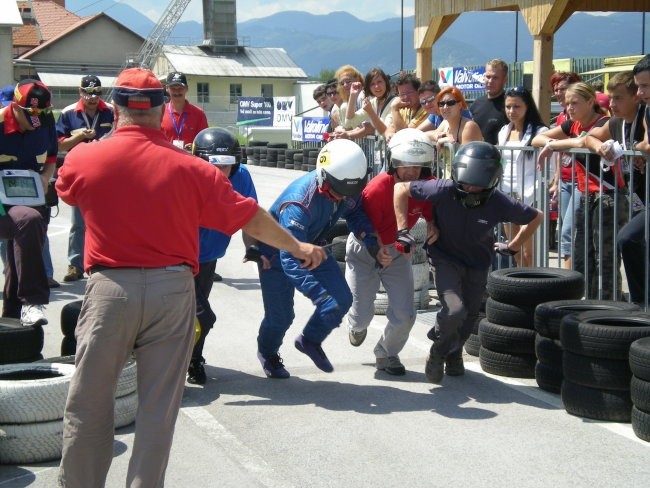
[185, 125]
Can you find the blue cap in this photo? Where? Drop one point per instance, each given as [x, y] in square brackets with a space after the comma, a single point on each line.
[6, 95]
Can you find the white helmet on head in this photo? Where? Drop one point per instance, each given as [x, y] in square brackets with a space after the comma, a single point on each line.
[342, 167]
[409, 147]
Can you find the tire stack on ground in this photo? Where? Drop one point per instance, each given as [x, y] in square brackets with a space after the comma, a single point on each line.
[507, 334]
[276, 154]
[596, 362]
[473, 342]
[548, 348]
[288, 156]
[19, 344]
[640, 387]
[69, 318]
[32, 401]
[311, 157]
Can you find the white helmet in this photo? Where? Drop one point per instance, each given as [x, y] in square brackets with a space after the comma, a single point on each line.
[342, 167]
[409, 147]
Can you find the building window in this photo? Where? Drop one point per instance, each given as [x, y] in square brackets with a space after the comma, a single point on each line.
[267, 90]
[203, 92]
[235, 91]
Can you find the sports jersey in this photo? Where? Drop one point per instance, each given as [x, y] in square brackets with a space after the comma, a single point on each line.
[212, 243]
[125, 227]
[25, 149]
[377, 200]
[466, 234]
[184, 126]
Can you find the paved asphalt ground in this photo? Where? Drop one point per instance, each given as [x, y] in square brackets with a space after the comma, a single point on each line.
[355, 427]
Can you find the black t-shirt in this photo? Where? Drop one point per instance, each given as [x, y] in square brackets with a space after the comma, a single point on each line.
[490, 115]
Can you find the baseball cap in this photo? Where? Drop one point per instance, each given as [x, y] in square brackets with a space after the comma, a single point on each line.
[91, 87]
[176, 78]
[6, 95]
[34, 98]
[138, 88]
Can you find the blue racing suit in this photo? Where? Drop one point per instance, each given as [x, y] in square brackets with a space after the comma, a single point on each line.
[308, 215]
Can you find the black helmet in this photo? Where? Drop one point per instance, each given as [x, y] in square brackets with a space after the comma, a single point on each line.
[476, 164]
[217, 146]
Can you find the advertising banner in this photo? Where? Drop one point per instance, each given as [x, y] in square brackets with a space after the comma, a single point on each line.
[269, 112]
[309, 129]
[464, 79]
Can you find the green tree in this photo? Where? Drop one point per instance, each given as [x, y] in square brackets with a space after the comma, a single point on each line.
[326, 74]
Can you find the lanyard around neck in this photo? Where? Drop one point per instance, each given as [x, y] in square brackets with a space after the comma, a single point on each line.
[177, 127]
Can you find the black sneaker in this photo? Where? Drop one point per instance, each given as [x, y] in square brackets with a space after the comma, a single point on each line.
[434, 369]
[315, 353]
[357, 336]
[454, 364]
[391, 365]
[196, 372]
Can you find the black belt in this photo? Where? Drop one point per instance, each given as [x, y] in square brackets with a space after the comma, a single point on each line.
[175, 267]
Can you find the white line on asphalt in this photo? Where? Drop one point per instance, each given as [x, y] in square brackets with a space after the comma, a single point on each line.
[233, 447]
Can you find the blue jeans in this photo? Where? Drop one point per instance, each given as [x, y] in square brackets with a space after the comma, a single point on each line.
[277, 293]
[570, 202]
[76, 239]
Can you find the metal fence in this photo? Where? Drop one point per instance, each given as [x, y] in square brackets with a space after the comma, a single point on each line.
[592, 223]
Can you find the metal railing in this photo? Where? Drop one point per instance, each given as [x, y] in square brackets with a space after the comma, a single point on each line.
[598, 216]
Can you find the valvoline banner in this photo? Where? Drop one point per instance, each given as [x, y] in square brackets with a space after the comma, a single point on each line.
[270, 112]
[309, 129]
[464, 79]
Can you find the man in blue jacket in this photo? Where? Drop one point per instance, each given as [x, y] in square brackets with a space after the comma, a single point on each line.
[308, 208]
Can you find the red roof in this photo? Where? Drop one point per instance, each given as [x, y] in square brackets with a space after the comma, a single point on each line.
[46, 21]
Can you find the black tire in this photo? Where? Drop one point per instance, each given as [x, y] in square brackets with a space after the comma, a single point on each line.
[548, 351]
[605, 374]
[520, 316]
[338, 247]
[548, 315]
[548, 378]
[510, 365]
[278, 145]
[640, 393]
[501, 338]
[641, 424]
[603, 334]
[69, 317]
[340, 228]
[594, 403]
[18, 343]
[257, 143]
[532, 286]
[473, 345]
[68, 346]
[640, 358]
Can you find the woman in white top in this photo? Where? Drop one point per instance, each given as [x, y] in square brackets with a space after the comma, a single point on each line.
[348, 76]
[519, 166]
[375, 107]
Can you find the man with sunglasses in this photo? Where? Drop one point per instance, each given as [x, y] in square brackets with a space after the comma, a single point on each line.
[89, 119]
[27, 142]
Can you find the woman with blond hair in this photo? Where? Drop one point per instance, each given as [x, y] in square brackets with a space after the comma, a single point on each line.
[455, 128]
[347, 76]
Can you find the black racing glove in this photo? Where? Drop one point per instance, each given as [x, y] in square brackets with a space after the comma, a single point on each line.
[253, 253]
[404, 241]
[373, 251]
[503, 249]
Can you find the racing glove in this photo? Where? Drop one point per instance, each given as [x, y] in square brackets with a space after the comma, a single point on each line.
[503, 249]
[404, 241]
[253, 253]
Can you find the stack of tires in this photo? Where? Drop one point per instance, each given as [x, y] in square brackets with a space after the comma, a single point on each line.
[640, 387]
[473, 342]
[69, 318]
[289, 158]
[19, 344]
[32, 401]
[507, 334]
[596, 362]
[548, 348]
[276, 155]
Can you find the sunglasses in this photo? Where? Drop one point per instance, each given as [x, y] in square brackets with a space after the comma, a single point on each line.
[37, 111]
[425, 101]
[447, 103]
[93, 90]
[518, 90]
[346, 81]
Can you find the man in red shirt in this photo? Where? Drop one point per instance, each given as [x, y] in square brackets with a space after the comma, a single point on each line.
[410, 155]
[142, 213]
[181, 121]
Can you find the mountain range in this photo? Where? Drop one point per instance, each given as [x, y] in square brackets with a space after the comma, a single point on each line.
[324, 42]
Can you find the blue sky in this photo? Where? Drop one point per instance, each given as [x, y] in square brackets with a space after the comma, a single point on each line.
[252, 9]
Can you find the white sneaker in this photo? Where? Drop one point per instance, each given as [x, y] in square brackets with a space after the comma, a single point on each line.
[32, 315]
